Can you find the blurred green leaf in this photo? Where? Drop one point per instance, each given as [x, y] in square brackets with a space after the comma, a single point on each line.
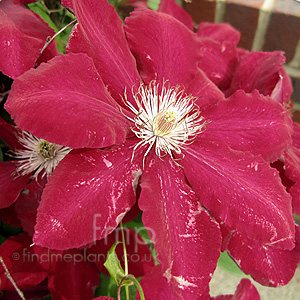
[153, 4]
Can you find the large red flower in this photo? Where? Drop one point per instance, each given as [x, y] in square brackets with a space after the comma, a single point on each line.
[176, 135]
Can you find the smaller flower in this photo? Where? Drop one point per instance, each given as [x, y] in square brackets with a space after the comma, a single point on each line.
[38, 155]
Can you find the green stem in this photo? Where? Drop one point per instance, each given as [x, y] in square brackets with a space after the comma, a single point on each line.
[136, 283]
[125, 260]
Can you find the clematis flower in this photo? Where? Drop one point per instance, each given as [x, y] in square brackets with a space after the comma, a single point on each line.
[22, 36]
[33, 158]
[176, 135]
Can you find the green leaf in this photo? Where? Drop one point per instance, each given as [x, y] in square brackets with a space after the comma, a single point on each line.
[1, 155]
[227, 264]
[153, 4]
[113, 266]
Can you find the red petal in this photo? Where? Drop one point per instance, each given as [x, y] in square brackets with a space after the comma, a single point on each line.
[9, 135]
[23, 34]
[28, 202]
[19, 259]
[245, 291]
[53, 102]
[186, 238]
[219, 32]
[218, 61]
[10, 185]
[250, 122]
[168, 51]
[9, 216]
[171, 8]
[75, 277]
[242, 190]
[267, 265]
[100, 34]
[156, 286]
[257, 70]
[86, 197]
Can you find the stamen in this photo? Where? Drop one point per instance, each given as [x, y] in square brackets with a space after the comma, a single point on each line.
[39, 156]
[165, 117]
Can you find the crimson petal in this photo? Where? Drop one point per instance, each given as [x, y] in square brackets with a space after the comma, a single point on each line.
[187, 240]
[11, 185]
[250, 122]
[23, 34]
[171, 8]
[168, 51]
[267, 265]
[86, 197]
[100, 34]
[242, 190]
[53, 102]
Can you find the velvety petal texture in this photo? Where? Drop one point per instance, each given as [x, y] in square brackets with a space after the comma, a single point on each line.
[86, 197]
[22, 36]
[100, 34]
[61, 109]
[267, 265]
[168, 51]
[242, 190]
[171, 8]
[187, 240]
[220, 32]
[250, 122]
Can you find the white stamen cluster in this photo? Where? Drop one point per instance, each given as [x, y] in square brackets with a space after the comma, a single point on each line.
[38, 155]
[166, 118]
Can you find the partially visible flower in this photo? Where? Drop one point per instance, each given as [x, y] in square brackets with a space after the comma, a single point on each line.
[22, 36]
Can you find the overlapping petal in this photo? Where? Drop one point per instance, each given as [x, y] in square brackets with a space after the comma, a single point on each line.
[257, 70]
[250, 122]
[23, 34]
[67, 103]
[105, 43]
[186, 239]
[86, 197]
[267, 265]
[242, 190]
[220, 32]
[171, 8]
[11, 185]
[168, 51]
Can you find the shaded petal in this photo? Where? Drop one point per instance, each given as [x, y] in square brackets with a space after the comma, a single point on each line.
[202, 87]
[171, 8]
[75, 277]
[168, 51]
[162, 290]
[9, 216]
[100, 34]
[54, 103]
[250, 122]
[28, 202]
[267, 265]
[292, 165]
[257, 70]
[242, 190]
[86, 197]
[139, 256]
[9, 135]
[244, 291]
[187, 240]
[296, 135]
[25, 270]
[23, 34]
[219, 32]
[218, 61]
[11, 185]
